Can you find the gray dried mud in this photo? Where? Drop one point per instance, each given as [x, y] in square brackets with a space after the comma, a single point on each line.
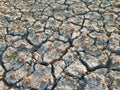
[59, 44]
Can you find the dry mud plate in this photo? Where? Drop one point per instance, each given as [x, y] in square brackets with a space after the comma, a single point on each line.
[59, 44]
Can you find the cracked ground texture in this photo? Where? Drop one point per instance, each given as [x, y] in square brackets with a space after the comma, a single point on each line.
[59, 44]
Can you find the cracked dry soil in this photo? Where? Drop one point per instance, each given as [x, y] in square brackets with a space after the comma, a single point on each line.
[59, 44]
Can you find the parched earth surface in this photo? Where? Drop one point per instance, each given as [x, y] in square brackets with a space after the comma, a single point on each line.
[59, 44]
